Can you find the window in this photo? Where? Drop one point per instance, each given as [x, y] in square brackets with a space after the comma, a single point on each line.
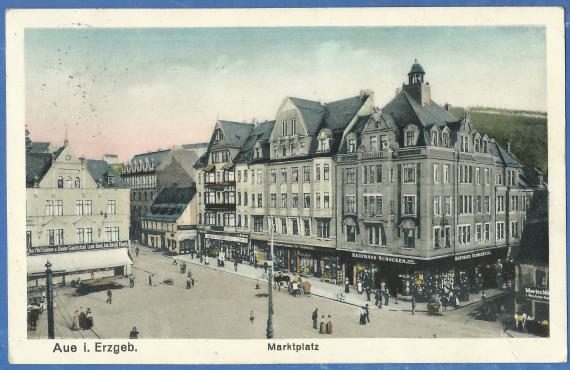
[245, 198]
[294, 174]
[50, 236]
[409, 238]
[500, 203]
[446, 174]
[244, 175]
[295, 200]
[487, 205]
[326, 170]
[379, 173]
[436, 237]
[487, 177]
[284, 200]
[487, 232]
[465, 204]
[383, 142]
[79, 207]
[229, 219]
[284, 128]
[375, 235]
[514, 229]
[306, 200]
[500, 232]
[350, 175]
[245, 221]
[295, 226]
[111, 207]
[436, 206]
[373, 143]
[258, 224]
[306, 174]
[28, 238]
[323, 229]
[447, 236]
[436, 173]
[88, 235]
[350, 204]
[283, 175]
[364, 174]
[318, 172]
[410, 138]
[323, 145]
[463, 234]
[499, 179]
[293, 127]
[478, 232]
[284, 226]
[80, 235]
[259, 177]
[478, 176]
[409, 205]
[540, 279]
[218, 136]
[350, 233]
[307, 227]
[478, 205]
[447, 205]
[409, 173]
[260, 200]
[49, 207]
[77, 183]
[351, 147]
[58, 208]
[60, 182]
[273, 176]
[318, 200]
[273, 200]
[326, 201]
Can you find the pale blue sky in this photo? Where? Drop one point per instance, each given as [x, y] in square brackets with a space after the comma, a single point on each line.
[159, 87]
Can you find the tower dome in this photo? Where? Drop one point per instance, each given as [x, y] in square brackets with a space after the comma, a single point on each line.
[416, 74]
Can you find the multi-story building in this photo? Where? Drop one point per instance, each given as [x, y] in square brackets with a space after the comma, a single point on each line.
[424, 197]
[217, 190]
[77, 216]
[140, 174]
[170, 225]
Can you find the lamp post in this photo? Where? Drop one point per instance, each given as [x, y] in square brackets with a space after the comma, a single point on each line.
[49, 294]
[269, 333]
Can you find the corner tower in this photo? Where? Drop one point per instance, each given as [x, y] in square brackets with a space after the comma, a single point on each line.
[417, 88]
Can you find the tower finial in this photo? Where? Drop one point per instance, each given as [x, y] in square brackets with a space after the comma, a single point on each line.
[415, 60]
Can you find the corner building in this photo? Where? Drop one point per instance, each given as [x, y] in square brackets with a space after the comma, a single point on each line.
[425, 201]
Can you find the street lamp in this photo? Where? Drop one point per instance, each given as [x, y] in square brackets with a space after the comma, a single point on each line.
[49, 293]
[269, 333]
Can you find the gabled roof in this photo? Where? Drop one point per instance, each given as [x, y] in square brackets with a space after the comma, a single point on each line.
[170, 203]
[236, 133]
[507, 159]
[37, 165]
[260, 133]
[100, 170]
[405, 109]
[156, 156]
[341, 112]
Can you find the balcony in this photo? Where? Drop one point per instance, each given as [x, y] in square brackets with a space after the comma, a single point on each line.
[370, 155]
[226, 205]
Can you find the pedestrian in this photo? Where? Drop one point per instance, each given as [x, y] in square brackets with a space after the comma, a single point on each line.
[174, 261]
[134, 334]
[188, 283]
[524, 318]
[362, 316]
[386, 297]
[359, 287]
[413, 305]
[82, 320]
[366, 310]
[368, 291]
[329, 328]
[346, 286]
[109, 296]
[315, 317]
[483, 297]
[75, 325]
[265, 265]
[189, 273]
[149, 279]
[137, 251]
[235, 264]
[377, 297]
[88, 319]
[192, 281]
[322, 327]
[131, 282]
[255, 261]
[444, 303]
[456, 301]
[251, 317]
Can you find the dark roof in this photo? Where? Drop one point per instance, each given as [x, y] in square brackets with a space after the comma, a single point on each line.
[357, 128]
[38, 147]
[37, 164]
[405, 109]
[170, 203]
[260, 133]
[312, 112]
[416, 68]
[156, 156]
[340, 113]
[508, 159]
[100, 170]
[195, 145]
[202, 161]
[236, 133]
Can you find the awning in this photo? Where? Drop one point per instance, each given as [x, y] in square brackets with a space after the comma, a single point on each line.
[209, 168]
[70, 262]
[258, 237]
[227, 166]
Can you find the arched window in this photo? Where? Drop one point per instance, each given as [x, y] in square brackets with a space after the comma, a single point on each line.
[68, 182]
[60, 182]
[77, 183]
[245, 221]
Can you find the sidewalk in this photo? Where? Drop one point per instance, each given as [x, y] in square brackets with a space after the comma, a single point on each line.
[318, 287]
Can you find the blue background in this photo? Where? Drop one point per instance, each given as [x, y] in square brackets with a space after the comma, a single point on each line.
[7, 4]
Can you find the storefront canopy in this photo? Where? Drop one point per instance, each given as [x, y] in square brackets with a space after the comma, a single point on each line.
[79, 261]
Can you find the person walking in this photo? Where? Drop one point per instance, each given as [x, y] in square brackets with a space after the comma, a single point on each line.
[189, 275]
[368, 291]
[328, 327]
[322, 327]
[131, 282]
[377, 297]
[265, 267]
[359, 287]
[366, 310]
[413, 305]
[149, 279]
[75, 325]
[315, 317]
[255, 261]
[109, 296]
[189, 283]
[88, 319]
[235, 264]
[251, 317]
[386, 297]
[137, 251]
[134, 334]
[362, 316]
[483, 297]
[82, 319]
[346, 286]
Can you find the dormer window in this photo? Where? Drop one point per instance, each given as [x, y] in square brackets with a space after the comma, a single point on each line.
[257, 153]
[434, 138]
[410, 135]
[445, 139]
[351, 145]
[110, 180]
[323, 145]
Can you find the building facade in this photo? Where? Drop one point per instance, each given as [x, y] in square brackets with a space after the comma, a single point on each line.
[77, 217]
[170, 225]
[426, 201]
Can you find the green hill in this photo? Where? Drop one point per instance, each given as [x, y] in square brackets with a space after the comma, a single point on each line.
[527, 132]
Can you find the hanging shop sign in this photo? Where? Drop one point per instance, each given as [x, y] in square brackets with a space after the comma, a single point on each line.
[536, 294]
[226, 238]
[472, 255]
[377, 257]
[77, 247]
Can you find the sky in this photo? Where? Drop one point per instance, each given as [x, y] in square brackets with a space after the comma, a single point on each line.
[128, 91]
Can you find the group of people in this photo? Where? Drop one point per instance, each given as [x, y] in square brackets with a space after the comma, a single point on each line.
[323, 327]
[82, 320]
[531, 324]
[189, 280]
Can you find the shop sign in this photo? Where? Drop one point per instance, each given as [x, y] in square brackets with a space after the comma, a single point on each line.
[472, 255]
[77, 247]
[305, 247]
[226, 238]
[376, 257]
[536, 294]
